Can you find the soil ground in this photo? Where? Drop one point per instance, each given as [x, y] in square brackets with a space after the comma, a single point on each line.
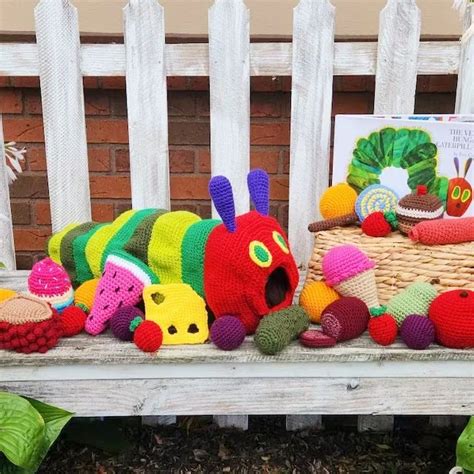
[195, 445]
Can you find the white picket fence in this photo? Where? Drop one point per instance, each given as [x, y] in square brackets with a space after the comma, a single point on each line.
[229, 59]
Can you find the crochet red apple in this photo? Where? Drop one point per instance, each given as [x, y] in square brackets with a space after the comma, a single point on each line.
[453, 316]
[383, 329]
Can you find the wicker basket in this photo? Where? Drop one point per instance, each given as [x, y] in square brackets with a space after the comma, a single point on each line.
[401, 261]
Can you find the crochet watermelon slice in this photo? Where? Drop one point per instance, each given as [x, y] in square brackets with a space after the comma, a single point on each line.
[121, 284]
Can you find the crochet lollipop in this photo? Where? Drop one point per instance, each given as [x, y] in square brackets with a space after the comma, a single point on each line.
[351, 273]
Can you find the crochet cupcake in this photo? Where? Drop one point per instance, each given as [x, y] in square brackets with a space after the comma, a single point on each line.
[50, 282]
[417, 207]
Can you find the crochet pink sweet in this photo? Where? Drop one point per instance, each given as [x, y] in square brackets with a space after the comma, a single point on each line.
[343, 262]
[351, 273]
[50, 282]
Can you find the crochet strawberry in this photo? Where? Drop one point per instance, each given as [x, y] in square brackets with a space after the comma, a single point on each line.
[383, 329]
[378, 224]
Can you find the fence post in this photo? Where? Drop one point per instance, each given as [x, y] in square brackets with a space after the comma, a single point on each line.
[465, 91]
[57, 37]
[144, 35]
[311, 102]
[7, 248]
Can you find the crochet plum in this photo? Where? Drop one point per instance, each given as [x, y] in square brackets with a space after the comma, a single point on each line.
[241, 266]
[227, 333]
[120, 322]
[417, 332]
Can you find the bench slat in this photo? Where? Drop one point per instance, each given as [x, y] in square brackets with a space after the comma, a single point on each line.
[57, 35]
[144, 32]
[221, 396]
[229, 82]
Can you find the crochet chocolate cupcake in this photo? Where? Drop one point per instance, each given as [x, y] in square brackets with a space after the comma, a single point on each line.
[417, 207]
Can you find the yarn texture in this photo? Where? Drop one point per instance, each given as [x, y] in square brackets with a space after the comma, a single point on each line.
[337, 201]
[148, 336]
[315, 297]
[179, 311]
[316, 339]
[122, 284]
[28, 325]
[418, 207]
[278, 329]
[85, 294]
[345, 319]
[227, 333]
[120, 322]
[417, 332]
[351, 273]
[6, 294]
[452, 313]
[73, 320]
[375, 225]
[444, 231]
[383, 329]
[414, 299]
[375, 198]
[50, 282]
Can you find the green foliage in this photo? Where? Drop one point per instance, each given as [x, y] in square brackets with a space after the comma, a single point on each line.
[2, 265]
[28, 428]
[465, 448]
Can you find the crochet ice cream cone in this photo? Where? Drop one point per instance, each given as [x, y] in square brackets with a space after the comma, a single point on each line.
[351, 273]
[50, 282]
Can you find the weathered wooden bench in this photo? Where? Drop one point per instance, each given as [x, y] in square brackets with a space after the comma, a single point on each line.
[103, 377]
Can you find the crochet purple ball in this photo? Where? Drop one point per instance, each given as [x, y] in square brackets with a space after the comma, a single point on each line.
[120, 322]
[227, 333]
[417, 332]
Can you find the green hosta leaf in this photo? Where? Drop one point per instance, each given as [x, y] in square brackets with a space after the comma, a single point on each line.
[54, 419]
[22, 431]
[465, 447]
[28, 428]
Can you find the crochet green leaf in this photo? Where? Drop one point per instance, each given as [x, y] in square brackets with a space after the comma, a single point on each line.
[27, 430]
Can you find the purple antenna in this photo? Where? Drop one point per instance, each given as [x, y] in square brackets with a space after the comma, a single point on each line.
[258, 184]
[456, 165]
[220, 190]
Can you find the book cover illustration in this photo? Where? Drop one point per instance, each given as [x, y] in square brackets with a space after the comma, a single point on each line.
[404, 153]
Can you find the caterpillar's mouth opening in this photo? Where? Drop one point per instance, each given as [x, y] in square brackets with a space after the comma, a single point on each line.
[277, 287]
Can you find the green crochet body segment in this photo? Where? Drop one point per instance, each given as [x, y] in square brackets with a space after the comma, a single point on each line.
[170, 244]
[409, 149]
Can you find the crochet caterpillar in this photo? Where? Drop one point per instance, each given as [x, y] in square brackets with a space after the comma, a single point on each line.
[409, 149]
[242, 266]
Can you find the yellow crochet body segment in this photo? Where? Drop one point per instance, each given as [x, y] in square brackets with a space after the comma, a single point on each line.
[97, 243]
[54, 243]
[164, 249]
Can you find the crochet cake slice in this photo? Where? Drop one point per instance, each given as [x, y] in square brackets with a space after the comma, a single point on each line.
[121, 284]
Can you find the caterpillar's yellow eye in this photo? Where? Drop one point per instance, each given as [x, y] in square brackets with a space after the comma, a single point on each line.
[259, 254]
[280, 241]
[456, 192]
[466, 195]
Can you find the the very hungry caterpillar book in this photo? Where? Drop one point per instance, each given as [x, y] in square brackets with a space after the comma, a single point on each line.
[407, 151]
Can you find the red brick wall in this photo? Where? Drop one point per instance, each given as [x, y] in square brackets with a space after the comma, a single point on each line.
[188, 101]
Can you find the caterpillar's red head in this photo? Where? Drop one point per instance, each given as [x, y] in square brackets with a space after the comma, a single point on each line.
[459, 192]
[248, 267]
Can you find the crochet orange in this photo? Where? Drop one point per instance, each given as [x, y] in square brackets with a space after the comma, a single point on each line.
[338, 200]
[315, 297]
